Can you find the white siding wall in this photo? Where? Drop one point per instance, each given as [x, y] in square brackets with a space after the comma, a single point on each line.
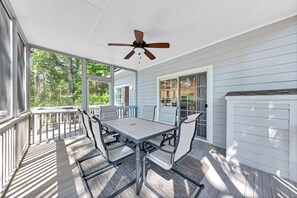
[265, 58]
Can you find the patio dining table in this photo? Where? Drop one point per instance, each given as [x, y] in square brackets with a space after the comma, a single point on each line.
[138, 130]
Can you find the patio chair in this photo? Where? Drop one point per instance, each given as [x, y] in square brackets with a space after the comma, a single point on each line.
[108, 139]
[167, 115]
[88, 132]
[114, 154]
[108, 113]
[148, 112]
[167, 156]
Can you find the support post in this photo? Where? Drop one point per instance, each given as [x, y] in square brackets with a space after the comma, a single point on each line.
[84, 85]
[111, 86]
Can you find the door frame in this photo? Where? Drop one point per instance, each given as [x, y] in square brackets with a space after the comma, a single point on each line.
[209, 96]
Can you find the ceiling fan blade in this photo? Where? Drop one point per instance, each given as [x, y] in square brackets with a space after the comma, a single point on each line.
[149, 54]
[130, 54]
[158, 45]
[119, 44]
[138, 36]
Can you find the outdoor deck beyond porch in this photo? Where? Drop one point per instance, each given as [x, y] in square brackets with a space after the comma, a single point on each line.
[49, 170]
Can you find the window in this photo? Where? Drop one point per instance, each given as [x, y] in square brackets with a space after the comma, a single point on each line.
[122, 96]
[119, 97]
[5, 65]
[21, 74]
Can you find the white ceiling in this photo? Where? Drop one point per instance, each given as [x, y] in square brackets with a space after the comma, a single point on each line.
[84, 27]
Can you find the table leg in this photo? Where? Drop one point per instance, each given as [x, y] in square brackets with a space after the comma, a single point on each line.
[138, 168]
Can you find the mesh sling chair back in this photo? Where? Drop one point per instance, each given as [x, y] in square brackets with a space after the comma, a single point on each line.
[86, 125]
[148, 112]
[167, 115]
[109, 112]
[113, 154]
[166, 156]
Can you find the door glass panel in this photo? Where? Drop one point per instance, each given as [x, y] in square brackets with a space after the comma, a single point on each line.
[193, 99]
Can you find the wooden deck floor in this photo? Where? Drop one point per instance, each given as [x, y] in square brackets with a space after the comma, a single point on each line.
[49, 170]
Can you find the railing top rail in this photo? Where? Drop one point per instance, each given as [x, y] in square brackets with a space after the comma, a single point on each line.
[13, 121]
[47, 111]
[126, 107]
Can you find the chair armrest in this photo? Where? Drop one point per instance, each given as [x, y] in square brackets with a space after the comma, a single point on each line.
[115, 146]
[166, 151]
[160, 148]
[170, 136]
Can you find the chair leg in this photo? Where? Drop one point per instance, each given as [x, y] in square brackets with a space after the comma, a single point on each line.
[98, 172]
[146, 182]
[201, 186]
[88, 191]
[79, 161]
[143, 169]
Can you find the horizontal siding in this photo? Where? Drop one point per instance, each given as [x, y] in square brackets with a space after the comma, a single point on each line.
[264, 160]
[258, 165]
[264, 141]
[263, 105]
[262, 122]
[263, 113]
[265, 58]
[266, 132]
[273, 153]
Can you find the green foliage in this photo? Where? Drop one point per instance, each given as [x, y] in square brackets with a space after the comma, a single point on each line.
[49, 85]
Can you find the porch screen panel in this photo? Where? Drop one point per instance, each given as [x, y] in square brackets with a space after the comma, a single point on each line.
[5, 69]
[55, 80]
[21, 84]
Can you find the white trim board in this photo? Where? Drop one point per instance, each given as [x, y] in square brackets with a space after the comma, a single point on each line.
[209, 109]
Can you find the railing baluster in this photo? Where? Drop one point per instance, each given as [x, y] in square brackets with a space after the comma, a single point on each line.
[8, 152]
[69, 124]
[46, 127]
[14, 146]
[33, 129]
[40, 127]
[53, 123]
[79, 123]
[59, 125]
[64, 115]
[1, 160]
[75, 123]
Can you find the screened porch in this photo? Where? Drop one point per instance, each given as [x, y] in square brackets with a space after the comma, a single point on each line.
[234, 64]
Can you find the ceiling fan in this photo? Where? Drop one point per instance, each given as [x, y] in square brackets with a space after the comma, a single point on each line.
[140, 45]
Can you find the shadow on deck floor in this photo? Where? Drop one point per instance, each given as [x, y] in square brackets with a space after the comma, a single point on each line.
[49, 170]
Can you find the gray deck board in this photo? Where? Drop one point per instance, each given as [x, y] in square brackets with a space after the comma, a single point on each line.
[258, 188]
[48, 170]
[267, 192]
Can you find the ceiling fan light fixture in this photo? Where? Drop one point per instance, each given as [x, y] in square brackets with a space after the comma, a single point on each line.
[139, 50]
[139, 46]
